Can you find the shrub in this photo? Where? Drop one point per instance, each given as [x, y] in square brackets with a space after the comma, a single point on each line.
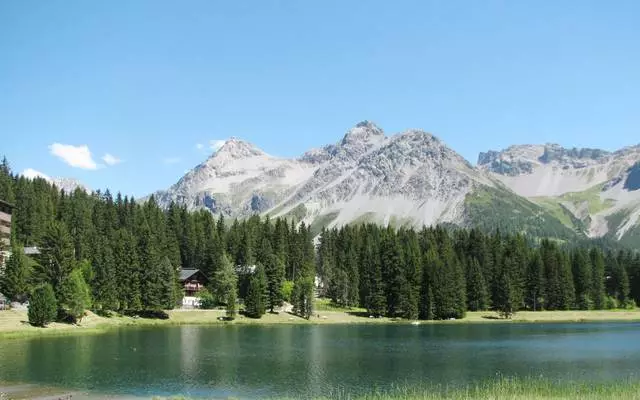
[43, 307]
[287, 290]
[206, 299]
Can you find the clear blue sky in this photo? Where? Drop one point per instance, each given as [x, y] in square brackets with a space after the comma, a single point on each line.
[146, 81]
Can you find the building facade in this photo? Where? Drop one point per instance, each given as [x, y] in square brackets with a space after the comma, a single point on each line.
[5, 232]
[5, 223]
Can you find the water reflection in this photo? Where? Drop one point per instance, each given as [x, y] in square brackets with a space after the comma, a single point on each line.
[255, 361]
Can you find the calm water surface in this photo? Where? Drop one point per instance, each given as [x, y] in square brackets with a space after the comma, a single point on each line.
[259, 361]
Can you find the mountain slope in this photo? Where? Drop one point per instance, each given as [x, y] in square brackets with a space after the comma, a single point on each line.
[591, 191]
[407, 179]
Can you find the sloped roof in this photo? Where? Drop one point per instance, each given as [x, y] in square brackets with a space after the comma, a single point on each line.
[188, 273]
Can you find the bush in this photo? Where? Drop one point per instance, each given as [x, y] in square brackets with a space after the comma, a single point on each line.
[287, 290]
[207, 302]
[43, 307]
[610, 303]
[151, 314]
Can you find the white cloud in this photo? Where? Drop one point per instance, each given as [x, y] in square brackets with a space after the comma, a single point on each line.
[216, 144]
[75, 156]
[199, 146]
[171, 160]
[111, 159]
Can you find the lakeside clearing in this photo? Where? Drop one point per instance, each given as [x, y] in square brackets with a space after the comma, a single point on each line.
[13, 323]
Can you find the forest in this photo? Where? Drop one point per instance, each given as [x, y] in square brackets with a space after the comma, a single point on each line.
[115, 254]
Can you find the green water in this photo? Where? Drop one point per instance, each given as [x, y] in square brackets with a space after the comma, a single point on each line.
[301, 361]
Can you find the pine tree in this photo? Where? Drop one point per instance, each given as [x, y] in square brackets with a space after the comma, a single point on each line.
[15, 282]
[167, 284]
[225, 282]
[105, 282]
[429, 264]
[413, 273]
[275, 278]
[597, 282]
[56, 259]
[477, 294]
[567, 290]
[75, 296]
[43, 307]
[504, 301]
[392, 262]
[582, 270]
[617, 280]
[303, 291]
[257, 294]
[534, 286]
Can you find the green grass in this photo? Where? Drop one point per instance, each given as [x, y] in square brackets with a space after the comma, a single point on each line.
[498, 208]
[322, 222]
[297, 213]
[499, 388]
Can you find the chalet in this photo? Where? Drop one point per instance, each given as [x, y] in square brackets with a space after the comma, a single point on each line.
[192, 280]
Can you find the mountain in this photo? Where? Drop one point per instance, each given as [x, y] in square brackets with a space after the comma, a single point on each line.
[407, 179]
[66, 184]
[592, 191]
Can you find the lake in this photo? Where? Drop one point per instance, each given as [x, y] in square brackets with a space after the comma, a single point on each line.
[312, 360]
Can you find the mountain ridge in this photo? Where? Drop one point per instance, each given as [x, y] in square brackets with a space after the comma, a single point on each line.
[409, 178]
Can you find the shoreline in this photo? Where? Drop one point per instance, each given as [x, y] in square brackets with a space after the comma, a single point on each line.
[13, 323]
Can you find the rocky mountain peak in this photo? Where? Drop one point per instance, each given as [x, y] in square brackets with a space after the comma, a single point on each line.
[364, 131]
[235, 149]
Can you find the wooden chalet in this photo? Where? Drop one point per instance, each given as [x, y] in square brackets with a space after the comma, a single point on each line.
[192, 280]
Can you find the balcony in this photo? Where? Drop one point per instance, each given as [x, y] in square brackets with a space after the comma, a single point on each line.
[5, 217]
[5, 230]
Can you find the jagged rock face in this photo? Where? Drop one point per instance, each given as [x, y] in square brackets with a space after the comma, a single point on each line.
[411, 176]
[597, 187]
[551, 170]
[237, 179]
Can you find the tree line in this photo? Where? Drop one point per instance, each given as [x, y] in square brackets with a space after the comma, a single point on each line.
[113, 253]
[436, 273]
[116, 254]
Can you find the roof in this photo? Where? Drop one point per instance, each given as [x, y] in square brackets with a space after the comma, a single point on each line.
[188, 273]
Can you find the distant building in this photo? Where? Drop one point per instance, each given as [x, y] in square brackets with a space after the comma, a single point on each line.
[192, 281]
[6, 209]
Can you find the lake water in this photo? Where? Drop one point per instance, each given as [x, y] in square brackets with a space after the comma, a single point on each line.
[306, 360]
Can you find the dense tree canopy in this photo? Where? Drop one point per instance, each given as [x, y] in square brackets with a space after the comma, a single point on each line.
[112, 253]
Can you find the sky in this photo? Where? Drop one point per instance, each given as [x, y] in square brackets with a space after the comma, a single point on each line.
[128, 95]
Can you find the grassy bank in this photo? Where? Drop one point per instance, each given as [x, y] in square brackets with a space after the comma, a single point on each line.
[13, 323]
[500, 388]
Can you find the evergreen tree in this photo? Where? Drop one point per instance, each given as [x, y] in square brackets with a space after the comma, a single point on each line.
[75, 296]
[14, 283]
[534, 286]
[257, 295]
[582, 270]
[413, 274]
[43, 307]
[226, 282]
[597, 282]
[477, 294]
[504, 301]
[303, 291]
[275, 278]
[56, 259]
[168, 284]
[617, 280]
